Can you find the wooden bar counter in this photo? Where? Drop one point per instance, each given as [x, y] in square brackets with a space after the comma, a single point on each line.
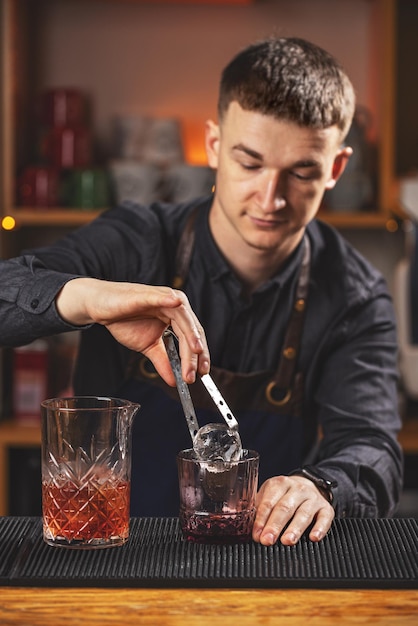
[363, 572]
[204, 607]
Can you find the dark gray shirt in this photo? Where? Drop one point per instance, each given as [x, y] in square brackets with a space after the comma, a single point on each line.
[349, 346]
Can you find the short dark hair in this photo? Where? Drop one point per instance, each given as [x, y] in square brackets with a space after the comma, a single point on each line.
[292, 79]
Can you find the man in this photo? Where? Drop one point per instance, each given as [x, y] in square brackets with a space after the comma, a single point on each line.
[300, 327]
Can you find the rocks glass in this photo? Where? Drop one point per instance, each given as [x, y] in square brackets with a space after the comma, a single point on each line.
[217, 498]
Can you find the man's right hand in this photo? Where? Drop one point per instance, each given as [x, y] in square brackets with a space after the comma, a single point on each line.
[137, 315]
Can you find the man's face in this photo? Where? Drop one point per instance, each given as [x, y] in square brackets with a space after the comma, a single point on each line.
[271, 176]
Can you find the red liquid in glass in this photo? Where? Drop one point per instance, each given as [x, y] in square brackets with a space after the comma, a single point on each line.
[88, 513]
[216, 528]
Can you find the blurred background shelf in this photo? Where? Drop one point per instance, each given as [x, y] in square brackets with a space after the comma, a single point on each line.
[113, 50]
[20, 457]
[56, 216]
[20, 476]
[52, 216]
[38, 51]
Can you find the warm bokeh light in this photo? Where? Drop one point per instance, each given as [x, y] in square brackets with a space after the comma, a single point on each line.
[194, 142]
[392, 226]
[8, 222]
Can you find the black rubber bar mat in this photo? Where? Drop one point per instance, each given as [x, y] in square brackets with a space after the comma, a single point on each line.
[357, 553]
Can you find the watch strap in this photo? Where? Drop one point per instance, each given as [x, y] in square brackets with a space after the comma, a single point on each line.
[324, 485]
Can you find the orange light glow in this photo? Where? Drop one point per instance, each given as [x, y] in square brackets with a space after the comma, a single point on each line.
[194, 142]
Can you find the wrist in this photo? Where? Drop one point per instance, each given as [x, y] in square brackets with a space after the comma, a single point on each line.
[70, 301]
[321, 482]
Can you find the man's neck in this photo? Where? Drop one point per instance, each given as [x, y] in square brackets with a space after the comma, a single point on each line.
[252, 266]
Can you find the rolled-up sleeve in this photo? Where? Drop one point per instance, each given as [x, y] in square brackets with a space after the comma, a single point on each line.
[358, 412]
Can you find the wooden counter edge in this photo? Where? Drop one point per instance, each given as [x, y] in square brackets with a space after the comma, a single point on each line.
[202, 607]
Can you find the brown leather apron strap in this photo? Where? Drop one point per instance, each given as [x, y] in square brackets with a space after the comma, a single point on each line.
[279, 390]
[138, 364]
[184, 251]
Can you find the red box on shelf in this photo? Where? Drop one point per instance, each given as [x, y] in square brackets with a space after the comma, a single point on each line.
[30, 381]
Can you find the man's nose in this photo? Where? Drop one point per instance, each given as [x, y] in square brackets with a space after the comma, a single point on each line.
[271, 193]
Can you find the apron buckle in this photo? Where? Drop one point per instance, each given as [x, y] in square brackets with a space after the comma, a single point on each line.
[277, 401]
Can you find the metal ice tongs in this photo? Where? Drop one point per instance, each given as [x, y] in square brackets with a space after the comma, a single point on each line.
[184, 393]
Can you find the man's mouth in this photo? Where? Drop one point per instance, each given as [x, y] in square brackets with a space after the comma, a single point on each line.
[267, 224]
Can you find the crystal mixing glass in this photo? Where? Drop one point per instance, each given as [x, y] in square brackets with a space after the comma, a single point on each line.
[86, 471]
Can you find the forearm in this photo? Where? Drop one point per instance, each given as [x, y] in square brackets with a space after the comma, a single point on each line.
[357, 402]
[369, 479]
[42, 302]
[27, 301]
[359, 448]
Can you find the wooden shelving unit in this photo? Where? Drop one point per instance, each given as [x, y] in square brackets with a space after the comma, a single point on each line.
[13, 435]
[15, 73]
[28, 216]
[14, 65]
[54, 216]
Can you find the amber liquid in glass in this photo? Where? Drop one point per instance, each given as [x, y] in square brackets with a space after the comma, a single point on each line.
[93, 513]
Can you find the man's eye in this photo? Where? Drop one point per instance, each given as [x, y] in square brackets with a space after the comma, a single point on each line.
[250, 166]
[305, 176]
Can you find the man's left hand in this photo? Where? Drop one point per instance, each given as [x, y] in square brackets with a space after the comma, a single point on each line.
[289, 505]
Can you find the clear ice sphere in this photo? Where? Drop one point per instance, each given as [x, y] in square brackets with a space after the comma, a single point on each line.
[217, 442]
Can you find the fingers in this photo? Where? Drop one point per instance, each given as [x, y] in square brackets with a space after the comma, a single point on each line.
[286, 507]
[158, 356]
[323, 519]
[193, 349]
[152, 309]
[194, 355]
[190, 363]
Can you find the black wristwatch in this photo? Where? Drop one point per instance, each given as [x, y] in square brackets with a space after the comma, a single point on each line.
[324, 485]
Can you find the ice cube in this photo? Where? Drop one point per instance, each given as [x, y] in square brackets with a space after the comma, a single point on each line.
[218, 480]
[217, 442]
[192, 496]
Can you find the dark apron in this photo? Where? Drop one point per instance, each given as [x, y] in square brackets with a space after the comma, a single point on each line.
[267, 405]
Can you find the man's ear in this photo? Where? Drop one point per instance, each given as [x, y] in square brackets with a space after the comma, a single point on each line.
[339, 165]
[212, 139]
